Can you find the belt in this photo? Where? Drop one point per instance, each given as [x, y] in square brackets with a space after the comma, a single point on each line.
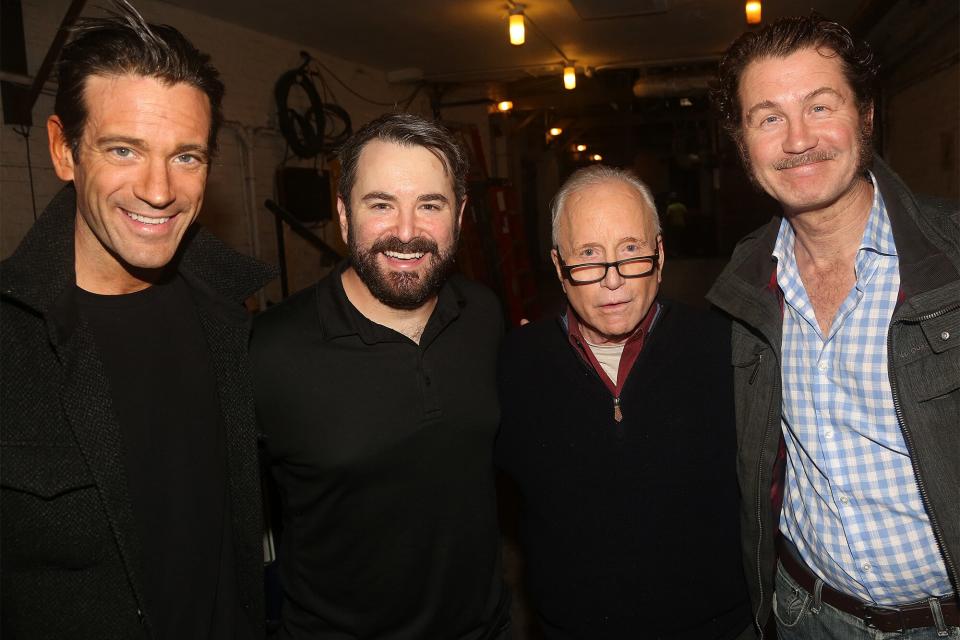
[908, 616]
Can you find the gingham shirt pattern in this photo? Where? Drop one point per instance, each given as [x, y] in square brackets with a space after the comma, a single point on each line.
[851, 504]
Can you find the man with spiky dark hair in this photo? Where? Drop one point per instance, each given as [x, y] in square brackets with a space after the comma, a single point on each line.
[130, 499]
[846, 351]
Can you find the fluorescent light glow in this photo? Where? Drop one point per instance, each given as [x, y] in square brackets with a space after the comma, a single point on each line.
[518, 31]
[569, 77]
[504, 105]
[753, 9]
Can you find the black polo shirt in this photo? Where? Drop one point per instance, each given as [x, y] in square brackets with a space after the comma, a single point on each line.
[382, 450]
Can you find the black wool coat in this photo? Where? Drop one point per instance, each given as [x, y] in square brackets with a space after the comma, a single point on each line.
[68, 548]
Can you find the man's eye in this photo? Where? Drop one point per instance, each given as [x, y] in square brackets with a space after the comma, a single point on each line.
[188, 158]
[121, 152]
[380, 205]
[820, 108]
[431, 207]
[769, 119]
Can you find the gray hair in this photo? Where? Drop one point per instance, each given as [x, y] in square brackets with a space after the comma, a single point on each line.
[593, 175]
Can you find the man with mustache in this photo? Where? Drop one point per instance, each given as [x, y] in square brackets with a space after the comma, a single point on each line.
[846, 348]
[376, 393]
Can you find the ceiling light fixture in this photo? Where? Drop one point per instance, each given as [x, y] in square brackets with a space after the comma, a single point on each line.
[753, 9]
[504, 106]
[596, 157]
[555, 131]
[581, 148]
[569, 76]
[518, 31]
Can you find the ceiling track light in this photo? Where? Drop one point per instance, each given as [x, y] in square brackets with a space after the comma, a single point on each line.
[753, 10]
[569, 76]
[518, 30]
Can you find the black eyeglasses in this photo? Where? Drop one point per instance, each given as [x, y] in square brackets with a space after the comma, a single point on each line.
[591, 272]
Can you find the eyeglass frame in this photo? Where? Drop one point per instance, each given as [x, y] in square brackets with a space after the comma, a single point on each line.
[565, 268]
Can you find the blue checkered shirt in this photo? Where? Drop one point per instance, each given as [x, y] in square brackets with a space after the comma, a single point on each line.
[851, 503]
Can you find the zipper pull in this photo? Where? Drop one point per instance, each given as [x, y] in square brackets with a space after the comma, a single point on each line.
[756, 368]
[617, 414]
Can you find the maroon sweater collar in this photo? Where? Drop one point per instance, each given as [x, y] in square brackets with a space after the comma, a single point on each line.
[631, 350]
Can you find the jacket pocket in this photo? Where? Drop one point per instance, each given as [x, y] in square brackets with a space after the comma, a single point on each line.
[50, 512]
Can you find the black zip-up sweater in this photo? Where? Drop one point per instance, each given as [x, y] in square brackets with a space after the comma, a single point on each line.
[628, 529]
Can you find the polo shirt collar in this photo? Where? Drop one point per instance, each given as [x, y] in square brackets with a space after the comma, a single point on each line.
[340, 318]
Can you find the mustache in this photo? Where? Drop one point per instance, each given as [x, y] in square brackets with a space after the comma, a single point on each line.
[807, 158]
[415, 245]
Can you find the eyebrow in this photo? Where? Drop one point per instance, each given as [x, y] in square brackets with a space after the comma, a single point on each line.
[598, 245]
[383, 195]
[770, 104]
[427, 197]
[140, 143]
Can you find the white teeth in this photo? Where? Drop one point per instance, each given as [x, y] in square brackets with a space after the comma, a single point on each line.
[403, 256]
[146, 220]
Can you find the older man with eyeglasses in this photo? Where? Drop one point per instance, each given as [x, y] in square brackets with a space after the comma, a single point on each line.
[618, 427]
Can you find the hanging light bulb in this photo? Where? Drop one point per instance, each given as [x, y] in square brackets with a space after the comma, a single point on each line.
[596, 157]
[504, 105]
[581, 148]
[753, 9]
[518, 31]
[555, 131]
[569, 76]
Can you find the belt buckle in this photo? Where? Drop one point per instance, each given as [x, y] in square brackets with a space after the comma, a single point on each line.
[871, 612]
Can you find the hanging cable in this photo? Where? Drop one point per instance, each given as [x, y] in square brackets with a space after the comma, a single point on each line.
[25, 132]
[362, 97]
[322, 127]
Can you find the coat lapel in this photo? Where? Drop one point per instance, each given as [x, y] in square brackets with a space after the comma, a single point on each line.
[87, 403]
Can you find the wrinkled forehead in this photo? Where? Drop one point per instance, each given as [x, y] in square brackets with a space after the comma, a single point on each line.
[605, 212]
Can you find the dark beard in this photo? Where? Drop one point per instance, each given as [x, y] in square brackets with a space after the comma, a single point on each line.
[398, 289]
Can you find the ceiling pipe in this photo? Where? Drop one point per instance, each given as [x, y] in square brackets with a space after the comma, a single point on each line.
[670, 86]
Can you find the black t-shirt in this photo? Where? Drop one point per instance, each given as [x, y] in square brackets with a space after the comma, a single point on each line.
[382, 449]
[164, 395]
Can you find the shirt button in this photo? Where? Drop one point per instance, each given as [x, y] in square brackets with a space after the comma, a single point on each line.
[867, 567]
[844, 499]
[427, 380]
[828, 433]
[945, 335]
[822, 366]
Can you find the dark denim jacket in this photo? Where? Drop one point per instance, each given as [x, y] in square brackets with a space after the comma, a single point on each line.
[923, 346]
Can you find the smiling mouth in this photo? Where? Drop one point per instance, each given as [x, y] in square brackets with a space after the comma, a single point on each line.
[147, 220]
[403, 256]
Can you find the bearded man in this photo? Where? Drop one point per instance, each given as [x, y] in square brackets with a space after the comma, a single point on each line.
[376, 393]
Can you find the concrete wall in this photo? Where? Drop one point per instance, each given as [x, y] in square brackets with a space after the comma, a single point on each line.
[922, 116]
[250, 145]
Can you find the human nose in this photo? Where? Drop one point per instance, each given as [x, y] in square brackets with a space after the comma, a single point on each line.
[154, 186]
[406, 224]
[800, 136]
[612, 279]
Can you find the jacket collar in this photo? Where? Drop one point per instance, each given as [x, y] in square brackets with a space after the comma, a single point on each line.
[743, 288]
[339, 318]
[41, 275]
